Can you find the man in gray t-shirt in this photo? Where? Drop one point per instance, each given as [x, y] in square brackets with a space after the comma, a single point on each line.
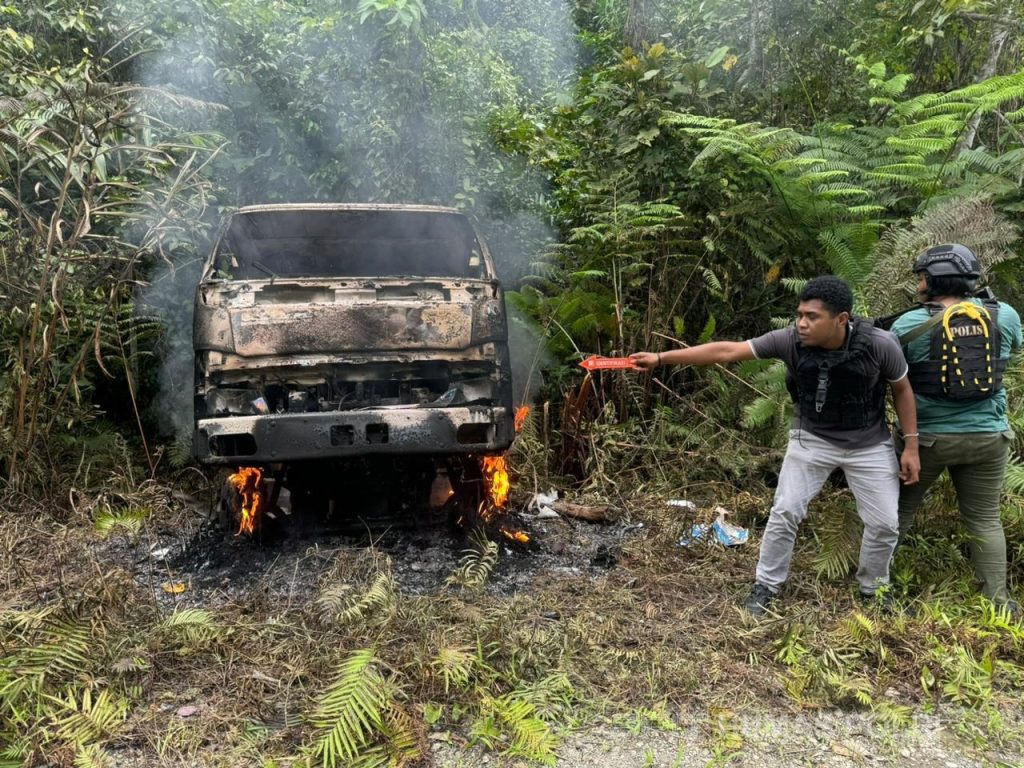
[837, 371]
[886, 363]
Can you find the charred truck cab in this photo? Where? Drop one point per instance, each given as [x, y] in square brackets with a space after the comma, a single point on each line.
[345, 331]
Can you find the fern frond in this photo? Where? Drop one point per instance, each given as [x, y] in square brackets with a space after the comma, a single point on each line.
[455, 666]
[860, 627]
[402, 745]
[84, 720]
[192, 626]
[711, 281]
[92, 756]
[972, 221]
[189, 617]
[892, 715]
[130, 520]
[551, 697]
[854, 687]
[762, 411]
[476, 563]
[374, 757]
[838, 532]
[1014, 482]
[349, 713]
[687, 120]
[339, 603]
[528, 735]
[55, 648]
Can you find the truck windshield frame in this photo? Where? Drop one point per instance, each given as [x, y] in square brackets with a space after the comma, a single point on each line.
[324, 243]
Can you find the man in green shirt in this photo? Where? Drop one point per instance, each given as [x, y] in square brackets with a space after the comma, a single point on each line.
[957, 347]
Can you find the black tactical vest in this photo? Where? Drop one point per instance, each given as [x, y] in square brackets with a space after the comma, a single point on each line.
[963, 360]
[831, 386]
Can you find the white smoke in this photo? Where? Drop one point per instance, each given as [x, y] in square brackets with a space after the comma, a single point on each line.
[307, 124]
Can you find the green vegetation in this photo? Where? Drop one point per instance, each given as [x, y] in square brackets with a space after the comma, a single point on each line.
[648, 173]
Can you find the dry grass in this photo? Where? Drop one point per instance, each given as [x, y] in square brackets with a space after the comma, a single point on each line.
[660, 629]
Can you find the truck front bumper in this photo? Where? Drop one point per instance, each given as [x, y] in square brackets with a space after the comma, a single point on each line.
[274, 438]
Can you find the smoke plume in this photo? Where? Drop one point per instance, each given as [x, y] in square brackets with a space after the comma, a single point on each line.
[316, 106]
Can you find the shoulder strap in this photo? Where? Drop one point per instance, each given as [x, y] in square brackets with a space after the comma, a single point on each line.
[885, 322]
[860, 335]
[938, 317]
[920, 330]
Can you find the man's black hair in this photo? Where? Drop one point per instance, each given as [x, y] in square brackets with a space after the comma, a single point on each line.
[833, 292]
[950, 285]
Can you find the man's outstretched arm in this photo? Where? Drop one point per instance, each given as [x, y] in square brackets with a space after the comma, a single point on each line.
[703, 354]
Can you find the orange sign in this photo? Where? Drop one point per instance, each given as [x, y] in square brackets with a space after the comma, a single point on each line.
[598, 363]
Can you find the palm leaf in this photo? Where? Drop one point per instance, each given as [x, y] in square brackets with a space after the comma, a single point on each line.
[340, 604]
[476, 563]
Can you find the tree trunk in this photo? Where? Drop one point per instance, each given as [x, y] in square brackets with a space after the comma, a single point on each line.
[636, 32]
[755, 52]
[995, 48]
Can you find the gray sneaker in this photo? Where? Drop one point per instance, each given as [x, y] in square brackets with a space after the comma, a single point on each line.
[760, 599]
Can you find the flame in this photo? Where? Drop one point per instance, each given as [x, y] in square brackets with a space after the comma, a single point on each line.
[520, 418]
[496, 479]
[247, 482]
[497, 485]
[519, 536]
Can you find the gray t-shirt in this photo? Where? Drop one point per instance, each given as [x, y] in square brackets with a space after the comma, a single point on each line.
[890, 364]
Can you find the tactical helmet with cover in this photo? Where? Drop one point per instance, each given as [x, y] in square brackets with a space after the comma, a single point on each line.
[948, 260]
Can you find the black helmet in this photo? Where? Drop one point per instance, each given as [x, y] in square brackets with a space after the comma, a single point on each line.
[948, 260]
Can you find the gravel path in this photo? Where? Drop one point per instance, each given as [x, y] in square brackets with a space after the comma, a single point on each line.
[832, 739]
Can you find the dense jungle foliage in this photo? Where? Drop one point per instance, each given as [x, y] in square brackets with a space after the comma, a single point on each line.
[648, 173]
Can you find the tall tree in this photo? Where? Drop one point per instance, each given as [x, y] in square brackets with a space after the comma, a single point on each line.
[1001, 27]
[754, 69]
[637, 30]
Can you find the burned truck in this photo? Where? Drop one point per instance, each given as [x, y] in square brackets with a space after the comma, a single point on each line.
[337, 332]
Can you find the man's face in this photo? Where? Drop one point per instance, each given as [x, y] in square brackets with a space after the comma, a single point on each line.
[817, 327]
[922, 287]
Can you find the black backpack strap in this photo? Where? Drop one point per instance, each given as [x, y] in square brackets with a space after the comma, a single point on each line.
[886, 322]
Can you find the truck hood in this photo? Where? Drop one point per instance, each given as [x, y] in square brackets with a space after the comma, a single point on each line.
[304, 317]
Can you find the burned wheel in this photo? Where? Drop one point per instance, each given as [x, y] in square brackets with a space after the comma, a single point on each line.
[223, 515]
[467, 489]
[227, 508]
[241, 501]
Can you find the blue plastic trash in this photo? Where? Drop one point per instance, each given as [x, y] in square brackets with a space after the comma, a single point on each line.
[725, 533]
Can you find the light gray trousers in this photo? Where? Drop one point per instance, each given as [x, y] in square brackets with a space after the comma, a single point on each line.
[872, 474]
